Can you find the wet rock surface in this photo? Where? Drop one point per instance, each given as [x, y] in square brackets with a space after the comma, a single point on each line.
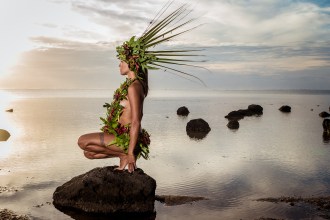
[105, 191]
[197, 128]
[285, 108]
[183, 111]
[6, 214]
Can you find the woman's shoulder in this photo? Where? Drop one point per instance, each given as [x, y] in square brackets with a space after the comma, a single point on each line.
[136, 87]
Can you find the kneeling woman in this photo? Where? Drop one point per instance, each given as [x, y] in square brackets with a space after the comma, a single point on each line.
[122, 135]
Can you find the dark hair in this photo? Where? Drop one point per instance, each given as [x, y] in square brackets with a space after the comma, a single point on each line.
[144, 81]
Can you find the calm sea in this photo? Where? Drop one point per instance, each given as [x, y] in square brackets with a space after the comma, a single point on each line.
[273, 155]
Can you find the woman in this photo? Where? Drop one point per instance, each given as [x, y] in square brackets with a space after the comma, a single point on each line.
[121, 134]
[126, 139]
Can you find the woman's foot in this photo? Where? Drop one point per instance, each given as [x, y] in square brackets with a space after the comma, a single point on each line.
[123, 162]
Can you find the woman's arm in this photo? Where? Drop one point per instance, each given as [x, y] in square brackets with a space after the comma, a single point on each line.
[135, 98]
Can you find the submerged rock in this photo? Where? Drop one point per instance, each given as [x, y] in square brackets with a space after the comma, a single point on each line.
[324, 114]
[285, 108]
[171, 200]
[4, 135]
[106, 191]
[183, 111]
[233, 124]
[197, 128]
[6, 214]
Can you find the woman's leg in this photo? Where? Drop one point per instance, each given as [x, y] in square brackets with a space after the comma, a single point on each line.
[94, 146]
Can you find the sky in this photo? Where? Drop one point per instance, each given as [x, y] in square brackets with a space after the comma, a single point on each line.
[247, 44]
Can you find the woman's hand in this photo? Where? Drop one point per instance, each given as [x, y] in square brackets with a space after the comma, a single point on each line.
[131, 162]
[127, 160]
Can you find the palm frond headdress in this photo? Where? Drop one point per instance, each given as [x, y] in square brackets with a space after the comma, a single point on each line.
[136, 51]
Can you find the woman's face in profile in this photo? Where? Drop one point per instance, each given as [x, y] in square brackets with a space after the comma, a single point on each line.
[123, 68]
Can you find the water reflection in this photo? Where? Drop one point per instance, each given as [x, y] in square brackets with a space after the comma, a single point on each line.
[274, 155]
[78, 215]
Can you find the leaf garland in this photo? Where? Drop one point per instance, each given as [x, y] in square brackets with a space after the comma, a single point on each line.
[111, 124]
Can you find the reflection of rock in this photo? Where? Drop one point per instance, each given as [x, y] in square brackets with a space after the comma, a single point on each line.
[326, 125]
[326, 130]
[4, 135]
[285, 108]
[197, 128]
[324, 114]
[104, 190]
[10, 110]
[6, 214]
[233, 124]
[182, 111]
[326, 137]
[177, 200]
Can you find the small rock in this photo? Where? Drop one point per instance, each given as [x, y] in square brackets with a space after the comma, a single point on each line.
[235, 115]
[10, 110]
[285, 108]
[183, 111]
[233, 124]
[256, 109]
[4, 135]
[324, 114]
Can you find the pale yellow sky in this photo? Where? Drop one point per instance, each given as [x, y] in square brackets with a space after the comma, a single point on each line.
[256, 44]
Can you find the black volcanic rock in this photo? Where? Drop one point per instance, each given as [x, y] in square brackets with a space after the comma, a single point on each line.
[105, 191]
[197, 128]
[252, 110]
[183, 111]
[256, 109]
[285, 108]
[324, 114]
[233, 124]
[235, 115]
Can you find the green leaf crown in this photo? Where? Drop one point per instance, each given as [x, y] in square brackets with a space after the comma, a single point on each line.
[135, 52]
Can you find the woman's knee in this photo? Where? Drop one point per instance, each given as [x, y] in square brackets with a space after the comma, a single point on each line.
[82, 142]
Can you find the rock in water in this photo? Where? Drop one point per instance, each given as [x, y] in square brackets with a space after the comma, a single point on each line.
[285, 108]
[183, 111]
[4, 135]
[324, 114]
[197, 128]
[233, 124]
[106, 191]
[256, 109]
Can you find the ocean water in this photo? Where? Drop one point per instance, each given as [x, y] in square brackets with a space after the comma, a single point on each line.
[273, 155]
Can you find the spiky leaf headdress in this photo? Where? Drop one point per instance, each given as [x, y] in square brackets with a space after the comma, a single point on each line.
[136, 53]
